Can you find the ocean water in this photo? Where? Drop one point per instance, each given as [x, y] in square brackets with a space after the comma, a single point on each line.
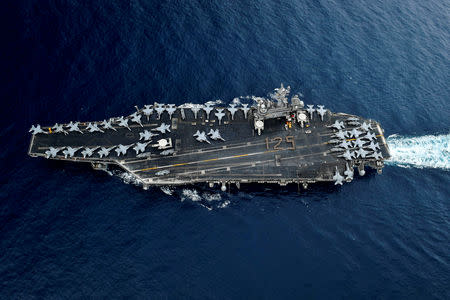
[67, 231]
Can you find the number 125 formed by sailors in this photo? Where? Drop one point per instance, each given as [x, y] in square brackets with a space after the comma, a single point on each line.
[288, 140]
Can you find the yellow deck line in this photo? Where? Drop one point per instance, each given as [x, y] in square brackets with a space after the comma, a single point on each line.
[202, 161]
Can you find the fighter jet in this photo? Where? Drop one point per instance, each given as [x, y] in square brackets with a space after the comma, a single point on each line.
[377, 155]
[92, 127]
[215, 135]
[245, 109]
[338, 178]
[51, 152]
[232, 109]
[88, 151]
[195, 109]
[146, 135]
[361, 153]
[74, 126]
[366, 126]
[310, 110]
[201, 137]
[171, 109]
[355, 133]
[121, 149]
[352, 119]
[159, 109]
[358, 143]
[347, 155]
[338, 125]
[345, 144]
[136, 118]
[321, 111]
[140, 147]
[220, 114]
[369, 136]
[208, 108]
[36, 129]
[123, 123]
[373, 146]
[107, 125]
[105, 151]
[348, 173]
[341, 134]
[148, 110]
[70, 151]
[162, 128]
[57, 128]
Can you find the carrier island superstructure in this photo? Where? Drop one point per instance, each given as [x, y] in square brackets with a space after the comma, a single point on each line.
[272, 140]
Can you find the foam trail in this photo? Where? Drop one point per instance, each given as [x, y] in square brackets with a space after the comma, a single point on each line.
[429, 151]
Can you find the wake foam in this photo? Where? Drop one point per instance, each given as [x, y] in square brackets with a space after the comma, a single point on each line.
[429, 151]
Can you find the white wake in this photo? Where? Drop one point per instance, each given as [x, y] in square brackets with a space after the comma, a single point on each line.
[429, 151]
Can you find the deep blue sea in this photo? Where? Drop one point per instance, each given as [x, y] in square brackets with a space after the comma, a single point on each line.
[67, 231]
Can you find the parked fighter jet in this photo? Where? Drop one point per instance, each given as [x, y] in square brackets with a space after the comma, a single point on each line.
[220, 114]
[159, 108]
[310, 110]
[195, 109]
[140, 147]
[105, 151]
[107, 125]
[232, 109]
[366, 126]
[358, 143]
[355, 133]
[121, 149]
[51, 152]
[148, 110]
[88, 151]
[136, 118]
[245, 109]
[341, 134]
[336, 149]
[146, 135]
[351, 119]
[373, 146]
[361, 153]
[208, 108]
[201, 137]
[171, 109]
[321, 111]
[345, 144]
[58, 128]
[70, 151]
[348, 155]
[369, 136]
[92, 127]
[74, 126]
[123, 123]
[348, 173]
[377, 155]
[215, 135]
[36, 129]
[337, 124]
[338, 178]
[162, 128]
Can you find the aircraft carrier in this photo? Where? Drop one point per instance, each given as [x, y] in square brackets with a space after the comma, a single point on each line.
[275, 139]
